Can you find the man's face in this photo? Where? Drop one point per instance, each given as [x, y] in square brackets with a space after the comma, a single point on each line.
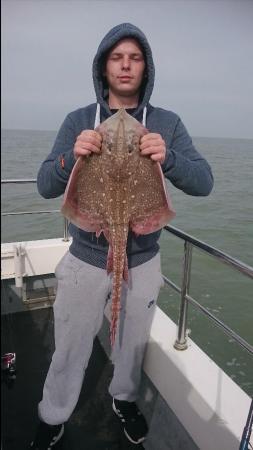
[125, 67]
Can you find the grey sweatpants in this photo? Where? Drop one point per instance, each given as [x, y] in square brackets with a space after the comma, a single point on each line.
[83, 292]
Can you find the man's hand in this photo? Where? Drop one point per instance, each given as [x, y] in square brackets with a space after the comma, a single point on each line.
[153, 145]
[87, 142]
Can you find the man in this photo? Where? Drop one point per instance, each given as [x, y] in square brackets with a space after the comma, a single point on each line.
[123, 75]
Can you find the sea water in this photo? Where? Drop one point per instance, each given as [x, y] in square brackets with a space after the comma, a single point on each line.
[224, 220]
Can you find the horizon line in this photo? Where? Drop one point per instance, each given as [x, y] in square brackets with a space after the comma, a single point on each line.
[192, 136]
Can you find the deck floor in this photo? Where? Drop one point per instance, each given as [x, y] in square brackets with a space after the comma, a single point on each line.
[92, 426]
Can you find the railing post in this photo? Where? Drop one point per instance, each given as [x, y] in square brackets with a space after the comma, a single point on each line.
[19, 265]
[181, 341]
[66, 230]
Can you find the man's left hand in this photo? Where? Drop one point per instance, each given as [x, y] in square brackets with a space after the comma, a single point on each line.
[153, 145]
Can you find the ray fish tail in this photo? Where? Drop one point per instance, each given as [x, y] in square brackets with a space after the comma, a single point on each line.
[120, 271]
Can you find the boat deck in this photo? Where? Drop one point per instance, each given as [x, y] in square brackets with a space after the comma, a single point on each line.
[92, 426]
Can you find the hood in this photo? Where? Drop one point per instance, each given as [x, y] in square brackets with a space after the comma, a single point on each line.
[111, 38]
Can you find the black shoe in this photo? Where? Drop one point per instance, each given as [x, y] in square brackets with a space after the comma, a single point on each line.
[47, 436]
[135, 425]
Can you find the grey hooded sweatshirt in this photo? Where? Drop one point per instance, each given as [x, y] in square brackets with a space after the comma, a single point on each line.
[184, 167]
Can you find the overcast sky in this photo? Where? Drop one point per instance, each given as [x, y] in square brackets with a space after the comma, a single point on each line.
[203, 53]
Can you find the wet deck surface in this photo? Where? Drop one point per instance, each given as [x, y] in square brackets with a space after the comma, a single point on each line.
[92, 426]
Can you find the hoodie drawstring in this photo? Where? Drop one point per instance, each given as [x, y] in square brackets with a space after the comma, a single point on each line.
[144, 116]
[97, 117]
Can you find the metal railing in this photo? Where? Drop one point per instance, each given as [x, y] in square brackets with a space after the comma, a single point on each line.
[22, 213]
[189, 243]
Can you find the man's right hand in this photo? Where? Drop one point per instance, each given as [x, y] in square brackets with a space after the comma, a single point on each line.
[87, 142]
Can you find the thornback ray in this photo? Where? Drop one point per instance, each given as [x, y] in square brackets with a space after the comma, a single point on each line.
[115, 191]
